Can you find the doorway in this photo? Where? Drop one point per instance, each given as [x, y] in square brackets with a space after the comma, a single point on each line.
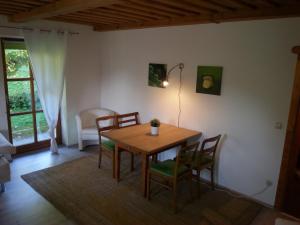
[288, 195]
[27, 126]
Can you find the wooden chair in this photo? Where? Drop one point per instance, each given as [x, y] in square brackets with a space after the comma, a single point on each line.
[128, 120]
[105, 145]
[167, 173]
[205, 158]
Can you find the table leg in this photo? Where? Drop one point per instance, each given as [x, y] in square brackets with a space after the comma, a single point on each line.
[2, 187]
[117, 163]
[145, 162]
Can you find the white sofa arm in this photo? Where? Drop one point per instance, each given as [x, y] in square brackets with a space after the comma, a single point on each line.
[4, 173]
[79, 128]
[5, 146]
[78, 123]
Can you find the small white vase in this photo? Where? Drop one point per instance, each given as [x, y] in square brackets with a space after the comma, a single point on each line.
[154, 131]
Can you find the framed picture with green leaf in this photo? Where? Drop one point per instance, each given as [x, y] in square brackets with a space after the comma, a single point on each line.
[157, 74]
[209, 80]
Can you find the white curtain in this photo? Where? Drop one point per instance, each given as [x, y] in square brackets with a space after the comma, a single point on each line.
[47, 53]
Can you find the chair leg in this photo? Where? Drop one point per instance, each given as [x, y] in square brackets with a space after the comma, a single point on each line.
[117, 165]
[148, 185]
[100, 157]
[80, 144]
[174, 203]
[154, 158]
[113, 165]
[212, 178]
[132, 162]
[198, 183]
[190, 180]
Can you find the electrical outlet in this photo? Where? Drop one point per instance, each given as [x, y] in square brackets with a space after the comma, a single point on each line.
[269, 183]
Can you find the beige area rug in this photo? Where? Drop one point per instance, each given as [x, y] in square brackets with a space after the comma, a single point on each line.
[88, 195]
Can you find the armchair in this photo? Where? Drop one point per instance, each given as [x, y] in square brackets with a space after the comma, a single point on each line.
[86, 125]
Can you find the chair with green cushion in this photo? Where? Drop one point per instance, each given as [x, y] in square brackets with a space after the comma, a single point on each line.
[167, 173]
[205, 158]
[106, 146]
[128, 120]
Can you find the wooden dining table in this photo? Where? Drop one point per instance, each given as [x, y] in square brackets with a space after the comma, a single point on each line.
[138, 139]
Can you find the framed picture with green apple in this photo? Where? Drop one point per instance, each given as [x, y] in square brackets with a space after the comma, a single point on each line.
[209, 80]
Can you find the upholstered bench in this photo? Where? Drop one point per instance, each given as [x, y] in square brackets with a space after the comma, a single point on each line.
[4, 172]
[6, 150]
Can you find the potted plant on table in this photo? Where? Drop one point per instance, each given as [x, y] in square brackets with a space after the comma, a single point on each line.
[155, 123]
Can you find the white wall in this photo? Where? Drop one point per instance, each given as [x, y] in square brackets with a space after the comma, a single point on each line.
[82, 68]
[256, 88]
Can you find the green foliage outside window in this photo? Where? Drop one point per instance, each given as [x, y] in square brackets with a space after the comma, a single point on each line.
[17, 63]
[19, 94]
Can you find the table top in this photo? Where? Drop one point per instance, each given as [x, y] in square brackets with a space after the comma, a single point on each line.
[138, 138]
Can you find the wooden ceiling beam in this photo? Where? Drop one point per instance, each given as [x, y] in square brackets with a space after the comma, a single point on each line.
[76, 21]
[112, 15]
[285, 2]
[214, 6]
[60, 7]
[149, 9]
[249, 4]
[123, 8]
[122, 13]
[185, 6]
[32, 2]
[90, 20]
[236, 4]
[158, 6]
[133, 14]
[99, 17]
[217, 18]
[259, 3]
[16, 4]
[18, 8]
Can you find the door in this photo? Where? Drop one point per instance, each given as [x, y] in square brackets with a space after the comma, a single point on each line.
[26, 121]
[288, 191]
[291, 202]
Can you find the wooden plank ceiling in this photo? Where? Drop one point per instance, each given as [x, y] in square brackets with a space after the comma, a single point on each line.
[105, 15]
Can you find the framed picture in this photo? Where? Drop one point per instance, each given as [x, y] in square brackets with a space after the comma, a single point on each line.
[209, 79]
[157, 74]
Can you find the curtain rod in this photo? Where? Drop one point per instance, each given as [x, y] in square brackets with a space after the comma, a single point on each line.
[28, 28]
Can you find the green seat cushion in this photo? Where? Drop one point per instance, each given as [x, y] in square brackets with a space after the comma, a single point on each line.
[166, 168]
[202, 159]
[108, 144]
